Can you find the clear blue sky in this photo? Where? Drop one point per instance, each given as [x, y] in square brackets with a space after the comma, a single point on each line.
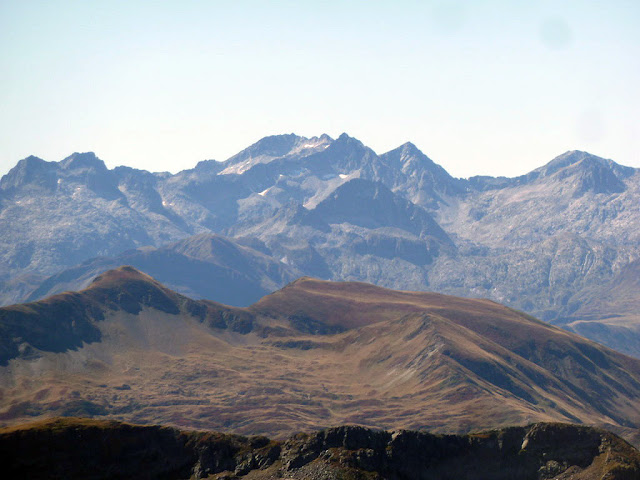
[482, 87]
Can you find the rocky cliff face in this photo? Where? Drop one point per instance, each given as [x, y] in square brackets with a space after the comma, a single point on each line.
[75, 448]
[610, 313]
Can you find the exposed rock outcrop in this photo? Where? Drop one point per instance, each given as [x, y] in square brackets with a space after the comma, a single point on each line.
[77, 448]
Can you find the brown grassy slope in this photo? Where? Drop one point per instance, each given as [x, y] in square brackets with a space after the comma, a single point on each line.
[569, 357]
[372, 356]
[356, 304]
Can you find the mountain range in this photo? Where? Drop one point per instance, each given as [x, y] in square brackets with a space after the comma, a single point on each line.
[555, 243]
[311, 355]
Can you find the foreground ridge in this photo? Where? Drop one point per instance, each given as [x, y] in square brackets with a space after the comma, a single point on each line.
[82, 448]
[313, 354]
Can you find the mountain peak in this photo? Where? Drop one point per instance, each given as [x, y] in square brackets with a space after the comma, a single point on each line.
[410, 147]
[346, 147]
[263, 151]
[129, 289]
[345, 138]
[587, 171]
[32, 159]
[433, 180]
[32, 170]
[372, 205]
[272, 146]
[86, 160]
[578, 157]
[407, 151]
[207, 165]
[121, 274]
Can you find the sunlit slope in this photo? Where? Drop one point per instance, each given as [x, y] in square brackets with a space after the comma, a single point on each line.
[311, 355]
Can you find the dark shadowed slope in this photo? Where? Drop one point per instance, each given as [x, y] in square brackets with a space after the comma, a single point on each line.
[77, 448]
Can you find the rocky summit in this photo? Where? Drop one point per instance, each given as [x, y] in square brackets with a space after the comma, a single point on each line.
[77, 448]
[552, 242]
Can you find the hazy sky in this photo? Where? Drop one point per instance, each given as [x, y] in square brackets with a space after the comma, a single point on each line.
[481, 87]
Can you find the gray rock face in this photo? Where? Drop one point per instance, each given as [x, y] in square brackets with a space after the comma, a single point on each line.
[204, 266]
[335, 209]
[77, 448]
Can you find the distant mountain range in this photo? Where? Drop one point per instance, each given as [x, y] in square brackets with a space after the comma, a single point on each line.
[311, 355]
[554, 243]
[202, 266]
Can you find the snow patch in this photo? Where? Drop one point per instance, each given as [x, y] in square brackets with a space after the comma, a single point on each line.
[313, 144]
[328, 185]
[76, 192]
[239, 168]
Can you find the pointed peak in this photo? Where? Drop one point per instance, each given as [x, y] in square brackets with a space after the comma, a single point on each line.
[30, 170]
[276, 145]
[573, 157]
[581, 160]
[262, 151]
[86, 160]
[31, 162]
[583, 172]
[408, 146]
[344, 140]
[404, 151]
[410, 158]
[410, 150]
[129, 289]
[32, 159]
